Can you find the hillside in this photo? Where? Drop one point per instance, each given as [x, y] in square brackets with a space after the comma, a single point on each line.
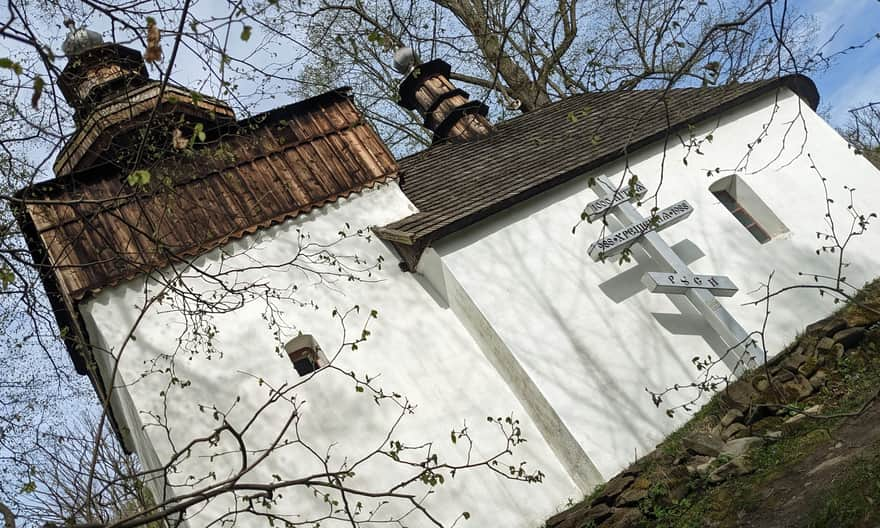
[794, 443]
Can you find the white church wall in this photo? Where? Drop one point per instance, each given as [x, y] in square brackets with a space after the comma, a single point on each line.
[560, 439]
[418, 348]
[124, 411]
[590, 335]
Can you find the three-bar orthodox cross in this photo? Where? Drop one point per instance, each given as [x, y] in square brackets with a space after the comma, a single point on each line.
[673, 276]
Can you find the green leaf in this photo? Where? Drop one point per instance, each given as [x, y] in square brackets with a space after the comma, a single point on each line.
[9, 64]
[29, 487]
[198, 134]
[246, 33]
[139, 178]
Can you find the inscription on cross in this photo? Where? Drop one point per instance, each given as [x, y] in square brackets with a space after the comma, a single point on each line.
[677, 278]
[597, 208]
[719, 285]
[620, 240]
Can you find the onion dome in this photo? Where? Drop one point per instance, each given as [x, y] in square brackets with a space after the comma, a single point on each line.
[80, 39]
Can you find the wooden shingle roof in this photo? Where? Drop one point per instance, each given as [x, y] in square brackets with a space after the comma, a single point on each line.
[456, 184]
[92, 229]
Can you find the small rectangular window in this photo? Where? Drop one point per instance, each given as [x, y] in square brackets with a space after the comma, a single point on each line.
[305, 354]
[759, 233]
[748, 209]
[726, 199]
[742, 215]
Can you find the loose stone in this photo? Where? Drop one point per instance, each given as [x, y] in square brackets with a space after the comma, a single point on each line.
[596, 514]
[740, 395]
[850, 337]
[794, 360]
[825, 344]
[733, 415]
[809, 367]
[831, 462]
[736, 467]
[739, 446]
[699, 464]
[826, 327]
[615, 487]
[797, 388]
[732, 430]
[816, 409]
[624, 518]
[819, 379]
[794, 419]
[631, 496]
[783, 376]
[761, 384]
[703, 444]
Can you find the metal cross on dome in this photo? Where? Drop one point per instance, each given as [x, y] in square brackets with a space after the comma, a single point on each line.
[676, 278]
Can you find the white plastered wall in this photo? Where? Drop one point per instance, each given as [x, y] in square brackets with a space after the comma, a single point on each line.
[588, 334]
[417, 347]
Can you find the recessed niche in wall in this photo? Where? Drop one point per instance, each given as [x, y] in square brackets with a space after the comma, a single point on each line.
[748, 208]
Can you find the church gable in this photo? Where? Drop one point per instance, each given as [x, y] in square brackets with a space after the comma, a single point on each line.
[457, 184]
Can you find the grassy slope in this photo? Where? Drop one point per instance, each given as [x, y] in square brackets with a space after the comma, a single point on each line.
[851, 494]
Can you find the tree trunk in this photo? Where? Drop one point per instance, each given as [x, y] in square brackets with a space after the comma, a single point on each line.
[519, 85]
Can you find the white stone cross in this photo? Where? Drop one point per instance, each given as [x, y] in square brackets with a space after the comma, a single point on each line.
[742, 351]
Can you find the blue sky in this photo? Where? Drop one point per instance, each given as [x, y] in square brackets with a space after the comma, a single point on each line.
[852, 80]
[855, 77]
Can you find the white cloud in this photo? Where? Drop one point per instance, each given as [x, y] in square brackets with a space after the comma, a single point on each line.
[858, 89]
[831, 15]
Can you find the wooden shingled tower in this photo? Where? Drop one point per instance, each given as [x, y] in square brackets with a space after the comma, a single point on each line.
[448, 111]
[113, 99]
